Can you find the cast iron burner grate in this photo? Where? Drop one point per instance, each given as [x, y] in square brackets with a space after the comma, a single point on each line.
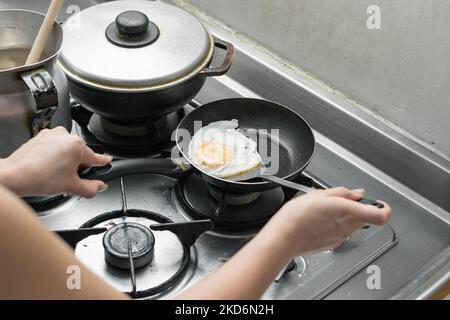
[193, 195]
[231, 212]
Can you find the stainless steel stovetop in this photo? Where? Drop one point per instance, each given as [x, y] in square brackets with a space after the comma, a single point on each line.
[381, 159]
[318, 274]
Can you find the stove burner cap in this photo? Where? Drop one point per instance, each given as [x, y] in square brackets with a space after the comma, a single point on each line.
[115, 242]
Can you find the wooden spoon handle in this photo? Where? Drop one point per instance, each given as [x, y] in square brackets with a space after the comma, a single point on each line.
[44, 32]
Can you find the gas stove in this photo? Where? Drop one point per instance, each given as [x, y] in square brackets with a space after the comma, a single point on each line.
[152, 236]
[381, 159]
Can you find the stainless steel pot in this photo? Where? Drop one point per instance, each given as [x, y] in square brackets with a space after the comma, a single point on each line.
[133, 60]
[32, 97]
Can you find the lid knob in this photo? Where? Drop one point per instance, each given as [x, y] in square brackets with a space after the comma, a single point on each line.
[132, 29]
[132, 23]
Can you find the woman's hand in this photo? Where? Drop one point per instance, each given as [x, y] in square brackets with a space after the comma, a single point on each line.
[322, 220]
[48, 164]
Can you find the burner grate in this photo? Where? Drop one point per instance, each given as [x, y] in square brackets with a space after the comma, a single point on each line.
[192, 194]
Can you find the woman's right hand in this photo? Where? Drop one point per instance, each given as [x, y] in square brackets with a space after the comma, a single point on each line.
[322, 220]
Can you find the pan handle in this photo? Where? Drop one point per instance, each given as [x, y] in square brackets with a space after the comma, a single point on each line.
[129, 167]
[304, 189]
[225, 66]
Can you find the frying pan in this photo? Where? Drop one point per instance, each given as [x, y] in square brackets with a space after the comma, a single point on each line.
[296, 144]
[296, 139]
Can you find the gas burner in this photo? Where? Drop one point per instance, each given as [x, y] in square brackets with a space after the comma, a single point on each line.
[130, 256]
[154, 274]
[128, 243]
[127, 139]
[231, 213]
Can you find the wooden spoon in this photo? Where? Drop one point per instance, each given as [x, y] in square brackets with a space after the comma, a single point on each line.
[46, 27]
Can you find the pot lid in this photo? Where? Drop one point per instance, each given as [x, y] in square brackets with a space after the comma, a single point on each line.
[134, 45]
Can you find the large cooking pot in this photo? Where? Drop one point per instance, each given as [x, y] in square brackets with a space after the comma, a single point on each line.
[133, 60]
[32, 97]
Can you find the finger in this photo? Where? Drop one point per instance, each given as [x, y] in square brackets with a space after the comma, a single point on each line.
[59, 130]
[87, 188]
[369, 214]
[378, 216]
[331, 246]
[90, 158]
[343, 192]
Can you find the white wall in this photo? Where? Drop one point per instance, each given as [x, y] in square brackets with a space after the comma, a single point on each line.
[401, 72]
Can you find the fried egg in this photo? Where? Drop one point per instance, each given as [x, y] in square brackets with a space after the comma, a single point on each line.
[221, 150]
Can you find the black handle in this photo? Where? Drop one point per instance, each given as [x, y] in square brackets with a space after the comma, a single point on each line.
[45, 95]
[123, 168]
[187, 232]
[226, 65]
[305, 189]
[372, 202]
[97, 147]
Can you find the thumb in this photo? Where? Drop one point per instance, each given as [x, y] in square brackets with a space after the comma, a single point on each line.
[88, 188]
[343, 192]
[90, 158]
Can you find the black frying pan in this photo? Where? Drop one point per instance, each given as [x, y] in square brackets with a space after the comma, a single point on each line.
[296, 138]
[296, 144]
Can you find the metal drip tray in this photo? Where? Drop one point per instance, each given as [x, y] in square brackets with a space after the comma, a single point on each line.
[328, 270]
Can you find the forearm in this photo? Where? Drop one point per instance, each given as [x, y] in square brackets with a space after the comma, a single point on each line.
[34, 262]
[247, 275]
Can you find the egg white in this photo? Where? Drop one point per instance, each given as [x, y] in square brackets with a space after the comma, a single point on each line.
[245, 150]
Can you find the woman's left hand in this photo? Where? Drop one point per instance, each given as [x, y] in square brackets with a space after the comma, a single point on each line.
[48, 164]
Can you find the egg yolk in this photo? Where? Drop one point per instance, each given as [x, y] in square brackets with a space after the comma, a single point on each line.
[213, 155]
